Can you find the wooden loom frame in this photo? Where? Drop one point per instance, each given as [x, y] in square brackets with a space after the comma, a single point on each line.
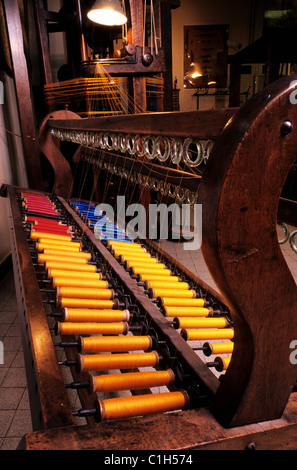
[268, 123]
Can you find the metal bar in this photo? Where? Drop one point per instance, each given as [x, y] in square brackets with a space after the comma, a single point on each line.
[169, 175]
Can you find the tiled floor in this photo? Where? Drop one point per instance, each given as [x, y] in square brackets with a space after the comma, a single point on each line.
[15, 419]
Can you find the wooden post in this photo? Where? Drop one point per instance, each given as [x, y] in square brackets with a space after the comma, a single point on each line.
[44, 48]
[43, 41]
[82, 41]
[139, 85]
[164, 31]
[23, 93]
[83, 48]
[240, 188]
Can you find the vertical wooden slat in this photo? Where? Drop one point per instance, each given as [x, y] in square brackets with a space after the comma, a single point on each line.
[139, 85]
[43, 41]
[166, 43]
[82, 41]
[23, 92]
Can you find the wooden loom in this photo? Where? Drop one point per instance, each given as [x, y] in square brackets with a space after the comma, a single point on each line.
[253, 405]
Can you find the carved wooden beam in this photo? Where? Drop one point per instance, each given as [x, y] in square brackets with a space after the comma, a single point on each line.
[240, 194]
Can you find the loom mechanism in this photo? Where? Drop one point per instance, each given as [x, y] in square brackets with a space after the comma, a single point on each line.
[192, 153]
[150, 147]
[104, 297]
[153, 316]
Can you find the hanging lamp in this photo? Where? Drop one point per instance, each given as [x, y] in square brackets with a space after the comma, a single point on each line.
[107, 12]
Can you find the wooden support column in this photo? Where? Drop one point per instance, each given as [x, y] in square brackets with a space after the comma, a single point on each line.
[83, 47]
[139, 84]
[43, 47]
[164, 31]
[82, 41]
[139, 87]
[23, 93]
[43, 41]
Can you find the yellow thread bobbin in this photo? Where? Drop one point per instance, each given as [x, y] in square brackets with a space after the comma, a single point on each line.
[49, 236]
[212, 333]
[87, 303]
[114, 344]
[167, 284]
[70, 266]
[69, 328]
[221, 363]
[177, 302]
[66, 254]
[84, 283]
[131, 381]
[103, 362]
[168, 281]
[44, 257]
[140, 405]
[158, 269]
[59, 245]
[172, 293]
[86, 275]
[211, 322]
[100, 316]
[85, 293]
[187, 311]
[148, 274]
[218, 348]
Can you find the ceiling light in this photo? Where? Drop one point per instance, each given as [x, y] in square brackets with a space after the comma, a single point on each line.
[107, 12]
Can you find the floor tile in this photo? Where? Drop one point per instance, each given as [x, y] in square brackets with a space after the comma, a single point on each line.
[15, 377]
[9, 317]
[10, 443]
[11, 343]
[10, 397]
[9, 357]
[6, 417]
[20, 424]
[24, 403]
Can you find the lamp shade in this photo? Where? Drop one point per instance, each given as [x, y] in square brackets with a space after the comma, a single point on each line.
[107, 12]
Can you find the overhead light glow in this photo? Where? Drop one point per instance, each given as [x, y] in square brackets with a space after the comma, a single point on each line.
[107, 12]
[196, 75]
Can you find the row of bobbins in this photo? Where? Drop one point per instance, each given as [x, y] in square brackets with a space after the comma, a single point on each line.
[180, 303]
[195, 317]
[89, 307]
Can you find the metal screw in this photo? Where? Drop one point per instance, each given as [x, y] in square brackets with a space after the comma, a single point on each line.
[251, 446]
[286, 128]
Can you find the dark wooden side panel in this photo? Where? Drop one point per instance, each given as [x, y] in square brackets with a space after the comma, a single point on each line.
[240, 194]
[48, 400]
